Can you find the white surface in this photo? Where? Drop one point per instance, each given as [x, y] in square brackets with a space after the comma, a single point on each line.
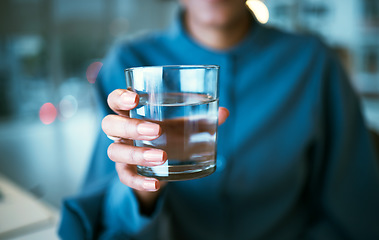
[22, 214]
[43, 234]
[49, 161]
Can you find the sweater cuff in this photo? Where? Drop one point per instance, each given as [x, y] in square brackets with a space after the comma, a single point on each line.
[122, 210]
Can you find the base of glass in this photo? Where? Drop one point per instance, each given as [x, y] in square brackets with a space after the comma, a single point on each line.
[177, 172]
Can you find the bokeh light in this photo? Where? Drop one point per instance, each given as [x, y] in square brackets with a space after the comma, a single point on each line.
[92, 71]
[47, 113]
[68, 106]
[259, 9]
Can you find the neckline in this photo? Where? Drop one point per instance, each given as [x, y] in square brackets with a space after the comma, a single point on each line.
[178, 32]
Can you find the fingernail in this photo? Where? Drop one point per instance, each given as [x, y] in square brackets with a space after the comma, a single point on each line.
[116, 139]
[154, 155]
[148, 129]
[128, 99]
[149, 185]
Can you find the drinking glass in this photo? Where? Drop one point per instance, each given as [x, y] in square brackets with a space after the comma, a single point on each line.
[183, 100]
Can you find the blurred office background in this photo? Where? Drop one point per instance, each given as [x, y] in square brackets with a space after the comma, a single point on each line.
[49, 49]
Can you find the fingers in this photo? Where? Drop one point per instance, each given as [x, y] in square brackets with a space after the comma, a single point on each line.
[130, 128]
[128, 175]
[121, 100]
[223, 114]
[122, 153]
[120, 128]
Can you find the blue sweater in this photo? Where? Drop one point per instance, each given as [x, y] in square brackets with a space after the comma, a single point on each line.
[294, 158]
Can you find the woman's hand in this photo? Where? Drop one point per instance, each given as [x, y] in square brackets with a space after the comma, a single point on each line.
[123, 130]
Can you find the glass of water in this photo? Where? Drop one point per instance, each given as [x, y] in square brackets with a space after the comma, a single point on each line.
[183, 100]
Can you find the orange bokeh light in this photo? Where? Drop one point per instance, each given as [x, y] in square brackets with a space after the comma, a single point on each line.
[92, 71]
[47, 113]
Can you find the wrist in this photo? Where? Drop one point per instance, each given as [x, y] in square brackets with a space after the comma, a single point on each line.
[147, 200]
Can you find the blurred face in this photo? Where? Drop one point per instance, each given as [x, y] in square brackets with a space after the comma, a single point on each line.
[215, 13]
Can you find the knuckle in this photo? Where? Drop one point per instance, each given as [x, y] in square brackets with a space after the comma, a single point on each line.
[133, 156]
[129, 181]
[136, 157]
[113, 97]
[129, 128]
[134, 183]
[119, 92]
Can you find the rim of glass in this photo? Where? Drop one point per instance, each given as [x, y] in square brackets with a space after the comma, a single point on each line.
[175, 67]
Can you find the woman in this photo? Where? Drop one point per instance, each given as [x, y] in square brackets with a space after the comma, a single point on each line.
[294, 156]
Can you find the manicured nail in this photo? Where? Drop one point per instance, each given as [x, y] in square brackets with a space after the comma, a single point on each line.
[148, 129]
[128, 99]
[116, 139]
[153, 155]
[149, 185]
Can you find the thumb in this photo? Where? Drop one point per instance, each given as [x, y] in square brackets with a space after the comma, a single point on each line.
[223, 114]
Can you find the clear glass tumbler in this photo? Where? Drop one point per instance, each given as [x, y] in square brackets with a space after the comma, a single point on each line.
[183, 100]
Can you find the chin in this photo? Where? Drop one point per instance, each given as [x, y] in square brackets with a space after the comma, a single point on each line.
[222, 19]
[218, 21]
[217, 13]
